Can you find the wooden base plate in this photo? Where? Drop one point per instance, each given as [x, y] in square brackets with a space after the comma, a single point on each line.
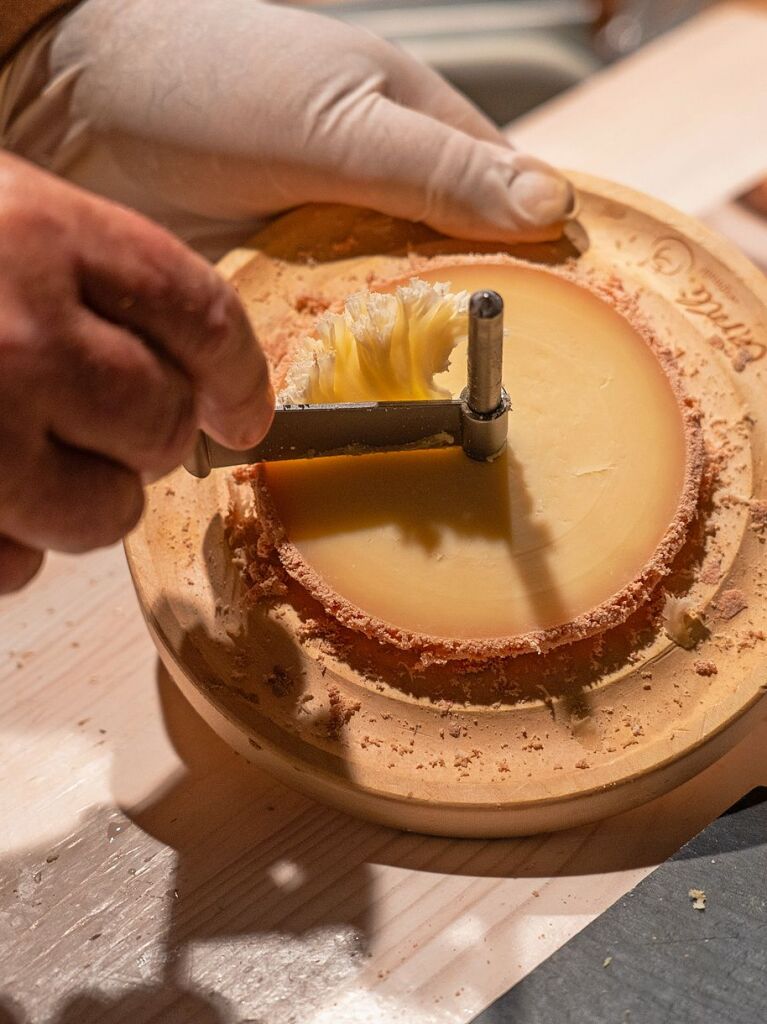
[537, 743]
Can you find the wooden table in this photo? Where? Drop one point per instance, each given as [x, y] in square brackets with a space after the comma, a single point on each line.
[148, 874]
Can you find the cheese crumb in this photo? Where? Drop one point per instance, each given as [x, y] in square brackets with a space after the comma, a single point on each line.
[698, 898]
[682, 621]
[705, 668]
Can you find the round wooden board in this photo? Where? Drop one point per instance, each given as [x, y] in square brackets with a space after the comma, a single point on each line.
[539, 743]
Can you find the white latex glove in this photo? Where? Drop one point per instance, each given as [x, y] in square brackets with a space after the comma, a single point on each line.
[232, 110]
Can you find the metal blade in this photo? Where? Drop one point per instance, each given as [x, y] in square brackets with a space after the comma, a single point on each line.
[314, 431]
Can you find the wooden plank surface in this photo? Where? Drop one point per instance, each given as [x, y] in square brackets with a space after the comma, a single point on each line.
[149, 875]
[684, 119]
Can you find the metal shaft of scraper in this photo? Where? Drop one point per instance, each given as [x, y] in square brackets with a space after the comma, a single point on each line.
[484, 403]
[485, 364]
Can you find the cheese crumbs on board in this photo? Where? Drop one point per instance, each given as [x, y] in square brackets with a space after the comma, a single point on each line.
[682, 621]
[698, 898]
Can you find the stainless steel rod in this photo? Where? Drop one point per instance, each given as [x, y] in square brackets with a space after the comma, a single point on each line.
[485, 364]
[485, 402]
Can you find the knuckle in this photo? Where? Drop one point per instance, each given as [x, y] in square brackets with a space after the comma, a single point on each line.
[167, 275]
[24, 218]
[151, 275]
[21, 340]
[370, 60]
[156, 285]
[223, 326]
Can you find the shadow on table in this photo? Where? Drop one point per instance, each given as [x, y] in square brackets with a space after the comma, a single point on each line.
[274, 889]
[213, 777]
[282, 889]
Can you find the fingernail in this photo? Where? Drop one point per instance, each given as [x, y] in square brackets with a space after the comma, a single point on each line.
[542, 197]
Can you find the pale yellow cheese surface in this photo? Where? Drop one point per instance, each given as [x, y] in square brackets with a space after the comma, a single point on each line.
[435, 543]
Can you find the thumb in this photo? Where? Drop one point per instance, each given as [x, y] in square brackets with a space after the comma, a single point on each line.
[408, 164]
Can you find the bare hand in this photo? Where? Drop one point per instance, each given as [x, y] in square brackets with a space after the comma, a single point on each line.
[116, 343]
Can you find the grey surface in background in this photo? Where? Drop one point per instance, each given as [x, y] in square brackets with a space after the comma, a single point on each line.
[509, 56]
[652, 958]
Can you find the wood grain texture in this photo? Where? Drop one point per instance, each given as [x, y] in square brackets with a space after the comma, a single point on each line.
[146, 869]
[683, 119]
[187, 886]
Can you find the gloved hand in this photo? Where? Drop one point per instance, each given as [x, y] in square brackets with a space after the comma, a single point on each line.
[232, 110]
[115, 342]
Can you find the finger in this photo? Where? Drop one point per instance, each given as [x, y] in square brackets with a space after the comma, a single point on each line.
[120, 399]
[409, 165]
[73, 501]
[137, 275]
[18, 565]
[421, 88]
